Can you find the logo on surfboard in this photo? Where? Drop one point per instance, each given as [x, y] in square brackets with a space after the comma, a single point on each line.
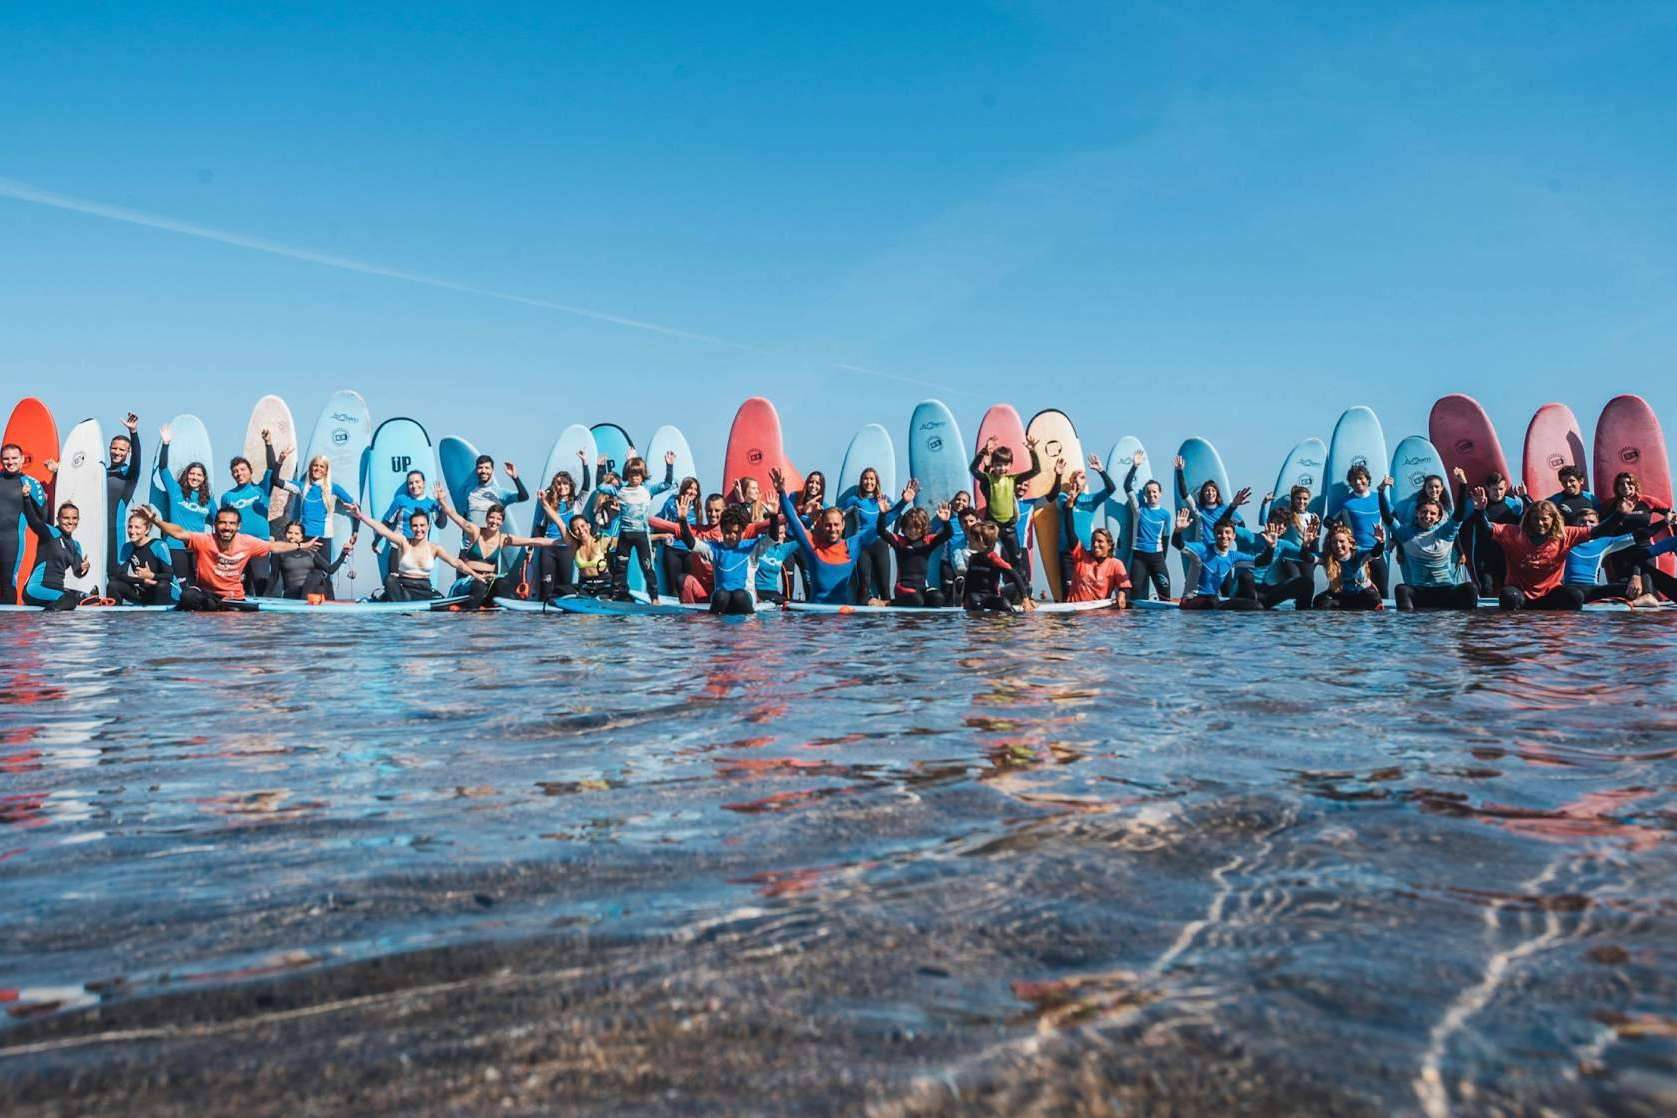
[340, 437]
[399, 463]
[1556, 461]
[754, 456]
[81, 456]
[1630, 455]
[934, 443]
[1464, 446]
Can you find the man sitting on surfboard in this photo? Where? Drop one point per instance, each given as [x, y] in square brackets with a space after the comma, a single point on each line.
[219, 558]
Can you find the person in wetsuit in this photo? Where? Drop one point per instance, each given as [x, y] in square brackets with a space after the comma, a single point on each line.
[914, 545]
[18, 491]
[873, 565]
[1574, 499]
[1484, 558]
[122, 476]
[219, 558]
[486, 554]
[190, 503]
[1349, 567]
[1074, 497]
[304, 575]
[144, 574]
[1629, 512]
[634, 542]
[992, 583]
[555, 506]
[1094, 573]
[1534, 552]
[829, 555]
[319, 498]
[1360, 511]
[1219, 565]
[249, 498]
[731, 555]
[1150, 532]
[1426, 550]
[1001, 489]
[57, 556]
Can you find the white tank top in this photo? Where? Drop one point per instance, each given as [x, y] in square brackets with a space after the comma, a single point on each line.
[415, 563]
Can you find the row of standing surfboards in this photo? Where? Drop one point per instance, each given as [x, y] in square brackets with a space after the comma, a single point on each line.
[377, 460]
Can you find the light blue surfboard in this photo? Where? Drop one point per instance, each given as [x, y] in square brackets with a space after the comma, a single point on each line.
[399, 445]
[1357, 441]
[190, 443]
[614, 443]
[871, 446]
[1304, 466]
[1414, 460]
[341, 435]
[937, 459]
[1201, 463]
[563, 457]
[1117, 511]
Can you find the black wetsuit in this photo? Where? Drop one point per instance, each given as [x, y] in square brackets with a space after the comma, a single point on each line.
[913, 557]
[298, 574]
[992, 582]
[131, 590]
[14, 495]
[120, 482]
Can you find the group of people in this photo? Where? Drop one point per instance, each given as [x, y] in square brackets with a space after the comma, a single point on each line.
[596, 532]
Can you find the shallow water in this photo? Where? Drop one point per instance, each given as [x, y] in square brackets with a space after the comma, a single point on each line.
[1350, 863]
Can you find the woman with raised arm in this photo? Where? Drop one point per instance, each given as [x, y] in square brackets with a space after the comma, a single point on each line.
[190, 502]
[829, 554]
[414, 557]
[1150, 532]
[485, 554]
[1534, 553]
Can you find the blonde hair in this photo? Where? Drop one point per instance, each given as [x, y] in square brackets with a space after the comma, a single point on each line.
[325, 483]
[1557, 526]
[1330, 561]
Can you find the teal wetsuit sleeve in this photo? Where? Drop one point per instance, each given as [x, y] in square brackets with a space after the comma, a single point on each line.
[1096, 500]
[1182, 493]
[795, 525]
[1664, 547]
[1387, 516]
[343, 499]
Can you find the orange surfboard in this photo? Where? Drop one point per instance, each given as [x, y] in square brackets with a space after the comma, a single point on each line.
[754, 446]
[31, 427]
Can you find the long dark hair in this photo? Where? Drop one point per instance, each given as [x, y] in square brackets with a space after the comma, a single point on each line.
[203, 490]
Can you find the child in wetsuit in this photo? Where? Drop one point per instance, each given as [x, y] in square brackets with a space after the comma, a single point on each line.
[914, 548]
[992, 583]
[1001, 489]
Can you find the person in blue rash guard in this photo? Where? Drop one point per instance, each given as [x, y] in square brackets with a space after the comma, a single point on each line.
[1360, 512]
[1426, 551]
[486, 494]
[319, 498]
[1573, 499]
[731, 557]
[190, 503]
[829, 556]
[1074, 497]
[144, 575]
[555, 506]
[1584, 562]
[1217, 563]
[57, 557]
[1207, 504]
[122, 476]
[1150, 531]
[1290, 573]
[17, 492]
[634, 541]
[1350, 586]
[249, 498]
[873, 566]
[772, 556]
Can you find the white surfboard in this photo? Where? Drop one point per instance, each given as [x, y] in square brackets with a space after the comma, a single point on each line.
[272, 414]
[81, 482]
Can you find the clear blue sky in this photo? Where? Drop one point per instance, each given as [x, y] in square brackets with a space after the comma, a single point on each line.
[1224, 220]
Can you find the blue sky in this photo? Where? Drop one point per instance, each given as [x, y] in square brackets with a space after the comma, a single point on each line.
[1224, 220]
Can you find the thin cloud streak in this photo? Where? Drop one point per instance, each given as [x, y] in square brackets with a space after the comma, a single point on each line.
[25, 192]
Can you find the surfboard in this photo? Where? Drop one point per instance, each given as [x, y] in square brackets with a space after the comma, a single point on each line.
[1003, 423]
[1303, 466]
[399, 445]
[871, 446]
[937, 456]
[1357, 441]
[755, 446]
[1414, 460]
[341, 434]
[1047, 608]
[1628, 438]
[1465, 438]
[563, 457]
[1117, 511]
[339, 608]
[614, 444]
[81, 482]
[32, 428]
[666, 607]
[272, 413]
[1553, 440]
[664, 440]
[1056, 439]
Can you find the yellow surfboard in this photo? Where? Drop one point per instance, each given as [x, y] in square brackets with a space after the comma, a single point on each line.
[1056, 439]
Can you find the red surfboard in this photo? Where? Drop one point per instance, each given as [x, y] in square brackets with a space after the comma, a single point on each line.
[754, 446]
[1003, 422]
[1628, 439]
[31, 427]
[1553, 440]
[1463, 434]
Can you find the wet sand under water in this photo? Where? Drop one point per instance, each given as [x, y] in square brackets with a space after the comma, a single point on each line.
[1091, 865]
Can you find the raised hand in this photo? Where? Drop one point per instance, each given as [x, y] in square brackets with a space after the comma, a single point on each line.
[910, 491]
[166, 433]
[1459, 474]
[989, 446]
[1138, 457]
[1182, 518]
[1241, 496]
[1268, 497]
[778, 480]
[267, 435]
[669, 458]
[1387, 482]
[582, 456]
[1094, 461]
[1180, 462]
[52, 465]
[132, 422]
[1480, 497]
[1060, 466]
[440, 492]
[943, 512]
[512, 471]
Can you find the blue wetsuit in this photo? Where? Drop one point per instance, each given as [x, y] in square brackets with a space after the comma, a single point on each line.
[828, 575]
[1078, 512]
[17, 493]
[56, 558]
[250, 500]
[771, 565]
[310, 508]
[190, 510]
[1583, 562]
[402, 507]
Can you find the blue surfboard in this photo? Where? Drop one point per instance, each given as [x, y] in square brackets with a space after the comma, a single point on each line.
[1414, 460]
[399, 446]
[190, 442]
[871, 446]
[613, 444]
[667, 440]
[1304, 466]
[937, 459]
[1117, 511]
[1357, 441]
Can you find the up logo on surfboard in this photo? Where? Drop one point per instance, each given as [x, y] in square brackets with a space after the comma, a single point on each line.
[399, 463]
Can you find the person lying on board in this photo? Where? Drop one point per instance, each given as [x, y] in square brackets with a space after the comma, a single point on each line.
[144, 574]
[1150, 531]
[914, 542]
[1218, 566]
[1426, 551]
[58, 555]
[413, 557]
[829, 555]
[304, 575]
[486, 494]
[1094, 573]
[1534, 552]
[486, 553]
[219, 558]
[992, 583]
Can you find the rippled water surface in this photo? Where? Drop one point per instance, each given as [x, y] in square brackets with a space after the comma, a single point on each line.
[1363, 864]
